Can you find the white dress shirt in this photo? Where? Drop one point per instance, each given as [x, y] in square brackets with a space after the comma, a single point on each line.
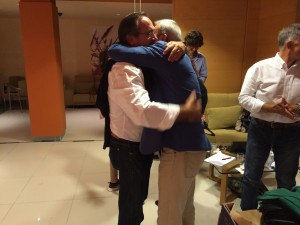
[130, 105]
[268, 81]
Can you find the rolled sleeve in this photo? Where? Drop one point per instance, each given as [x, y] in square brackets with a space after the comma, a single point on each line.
[127, 91]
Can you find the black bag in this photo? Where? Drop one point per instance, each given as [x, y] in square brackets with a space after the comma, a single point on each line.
[204, 100]
[280, 206]
[204, 97]
[211, 133]
[242, 124]
[275, 214]
[103, 104]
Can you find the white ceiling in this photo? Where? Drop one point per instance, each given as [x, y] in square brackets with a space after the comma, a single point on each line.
[95, 10]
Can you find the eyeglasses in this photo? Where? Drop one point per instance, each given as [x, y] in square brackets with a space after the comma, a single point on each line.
[148, 33]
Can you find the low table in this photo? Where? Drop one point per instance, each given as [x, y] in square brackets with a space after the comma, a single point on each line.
[228, 169]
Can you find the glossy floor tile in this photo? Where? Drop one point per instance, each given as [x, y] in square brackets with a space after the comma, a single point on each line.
[64, 183]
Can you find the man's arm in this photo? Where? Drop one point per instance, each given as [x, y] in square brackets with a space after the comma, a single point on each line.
[252, 104]
[247, 93]
[136, 104]
[291, 111]
[146, 56]
[281, 108]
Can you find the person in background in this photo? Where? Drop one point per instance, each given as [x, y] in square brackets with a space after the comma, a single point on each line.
[113, 184]
[193, 41]
[271, 92]
[130, 109]
[184, 145]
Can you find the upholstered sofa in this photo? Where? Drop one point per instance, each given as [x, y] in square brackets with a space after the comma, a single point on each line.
[84, 91]
[221, 114]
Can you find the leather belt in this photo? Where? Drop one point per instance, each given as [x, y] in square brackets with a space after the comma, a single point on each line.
[276, 124]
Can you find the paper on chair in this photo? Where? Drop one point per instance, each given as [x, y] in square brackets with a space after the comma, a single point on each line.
[219, 159]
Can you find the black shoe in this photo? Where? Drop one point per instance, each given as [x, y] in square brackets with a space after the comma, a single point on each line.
[113, 186]
[155, 156]
[156, 202]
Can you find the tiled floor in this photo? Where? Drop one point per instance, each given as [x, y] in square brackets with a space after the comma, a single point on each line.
[64, 183]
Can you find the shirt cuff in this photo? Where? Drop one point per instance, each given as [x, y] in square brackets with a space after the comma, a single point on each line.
[171, 116]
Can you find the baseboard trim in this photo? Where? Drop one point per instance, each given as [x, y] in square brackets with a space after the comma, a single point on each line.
[48, 138]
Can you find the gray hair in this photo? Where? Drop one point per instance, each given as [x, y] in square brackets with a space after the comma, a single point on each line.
[289, 33]
[169, 27]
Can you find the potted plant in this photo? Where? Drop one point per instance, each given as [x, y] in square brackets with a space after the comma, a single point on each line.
[99, 46]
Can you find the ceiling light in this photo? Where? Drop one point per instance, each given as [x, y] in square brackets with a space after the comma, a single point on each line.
[134, 9]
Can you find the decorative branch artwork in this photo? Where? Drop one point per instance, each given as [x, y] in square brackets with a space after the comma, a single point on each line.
[99, 46]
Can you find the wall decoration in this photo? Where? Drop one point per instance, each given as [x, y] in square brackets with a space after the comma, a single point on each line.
[99, 46]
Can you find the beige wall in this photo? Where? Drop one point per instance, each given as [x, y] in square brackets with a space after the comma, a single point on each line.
[75, 38]
[237, 33]
[223, 26]
[271, 20]
[11, 50]
[263, 24]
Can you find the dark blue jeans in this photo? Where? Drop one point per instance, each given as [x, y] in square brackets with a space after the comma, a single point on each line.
[134, 174]
[285, 143]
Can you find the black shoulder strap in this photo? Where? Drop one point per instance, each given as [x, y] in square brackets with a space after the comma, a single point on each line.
[204, 97]
[102, 97]
[211, 133]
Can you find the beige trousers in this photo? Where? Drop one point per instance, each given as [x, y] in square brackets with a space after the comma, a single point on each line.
[176, 184]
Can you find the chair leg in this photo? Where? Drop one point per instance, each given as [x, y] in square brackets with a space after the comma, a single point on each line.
[4, 103]
[19, 98]
[9, 99]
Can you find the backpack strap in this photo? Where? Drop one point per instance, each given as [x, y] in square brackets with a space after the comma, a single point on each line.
[211, 133]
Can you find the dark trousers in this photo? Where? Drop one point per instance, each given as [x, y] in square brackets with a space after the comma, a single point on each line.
[134, 174]
[285, 145]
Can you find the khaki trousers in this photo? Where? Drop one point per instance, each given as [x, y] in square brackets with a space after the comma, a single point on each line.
[176, 183]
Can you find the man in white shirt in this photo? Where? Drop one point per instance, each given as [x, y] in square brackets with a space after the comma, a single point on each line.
[271, 92]
[130, 111]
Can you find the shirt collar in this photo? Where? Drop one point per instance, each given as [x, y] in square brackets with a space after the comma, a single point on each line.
[280, 62]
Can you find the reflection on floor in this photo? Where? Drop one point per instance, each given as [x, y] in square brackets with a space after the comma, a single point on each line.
[64, 183]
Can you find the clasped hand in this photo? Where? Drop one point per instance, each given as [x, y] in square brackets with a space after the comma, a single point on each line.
[283, 108]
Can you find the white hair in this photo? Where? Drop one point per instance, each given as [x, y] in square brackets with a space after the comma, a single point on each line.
[169, 27]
